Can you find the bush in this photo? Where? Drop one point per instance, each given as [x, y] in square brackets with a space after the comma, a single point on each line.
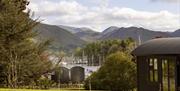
[118, 73]
[45, 83]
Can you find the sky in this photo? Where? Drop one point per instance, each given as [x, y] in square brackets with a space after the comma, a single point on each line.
[157, 15]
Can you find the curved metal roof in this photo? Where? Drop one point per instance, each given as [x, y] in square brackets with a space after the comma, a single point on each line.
[158, 46]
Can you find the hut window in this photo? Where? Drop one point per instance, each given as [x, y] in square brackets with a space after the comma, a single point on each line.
[168, 74]
[153, 70]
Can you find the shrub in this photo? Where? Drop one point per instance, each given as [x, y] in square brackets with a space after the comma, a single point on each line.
[45, 83]
[118, 73]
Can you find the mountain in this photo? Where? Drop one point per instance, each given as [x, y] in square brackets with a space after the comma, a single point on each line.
[68, 38]
[110, 29]
[84, 33]
[176, 33]
[61, 38]
[87, 34]
[70, 29]
[133, 32]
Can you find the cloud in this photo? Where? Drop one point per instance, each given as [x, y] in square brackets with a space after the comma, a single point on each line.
[169, 1]
[72, 13]
[104, 3]
[48, 8]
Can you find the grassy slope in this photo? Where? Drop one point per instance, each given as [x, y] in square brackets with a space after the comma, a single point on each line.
[61, 38]
[39, 90]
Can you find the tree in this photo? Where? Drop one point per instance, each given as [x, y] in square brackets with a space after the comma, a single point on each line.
[118, 73]
[20, 4]
[21, 58]
[96, 52]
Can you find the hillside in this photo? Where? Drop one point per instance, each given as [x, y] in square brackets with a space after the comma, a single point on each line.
[62, 39]
[87, 34]
[176, 33]
[110, 29]
[133, 32]
[83, 33]
[68, 28]
[68, 38]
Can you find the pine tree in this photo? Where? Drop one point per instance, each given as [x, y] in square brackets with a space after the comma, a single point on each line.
[21, 57]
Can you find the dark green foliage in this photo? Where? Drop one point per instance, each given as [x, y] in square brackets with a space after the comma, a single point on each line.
[20, 4]
[97, 52]
[45, 83]
[22, 59]
[118, 73]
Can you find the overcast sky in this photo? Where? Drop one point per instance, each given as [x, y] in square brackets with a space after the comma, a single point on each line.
[157, 15]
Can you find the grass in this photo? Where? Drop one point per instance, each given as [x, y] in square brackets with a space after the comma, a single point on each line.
[42, 90]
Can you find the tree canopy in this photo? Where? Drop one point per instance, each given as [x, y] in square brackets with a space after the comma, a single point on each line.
[118, 73]
[21, 57]
[96, 52]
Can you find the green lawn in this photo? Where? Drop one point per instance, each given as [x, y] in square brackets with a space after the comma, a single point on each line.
[41, 90]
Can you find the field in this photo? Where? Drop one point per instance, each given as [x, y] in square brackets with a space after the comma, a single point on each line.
[42, 90]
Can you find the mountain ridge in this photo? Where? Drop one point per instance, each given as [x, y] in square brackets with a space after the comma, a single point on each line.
[133, 32]
[67, 38]
[61, 38]
[83, 33]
